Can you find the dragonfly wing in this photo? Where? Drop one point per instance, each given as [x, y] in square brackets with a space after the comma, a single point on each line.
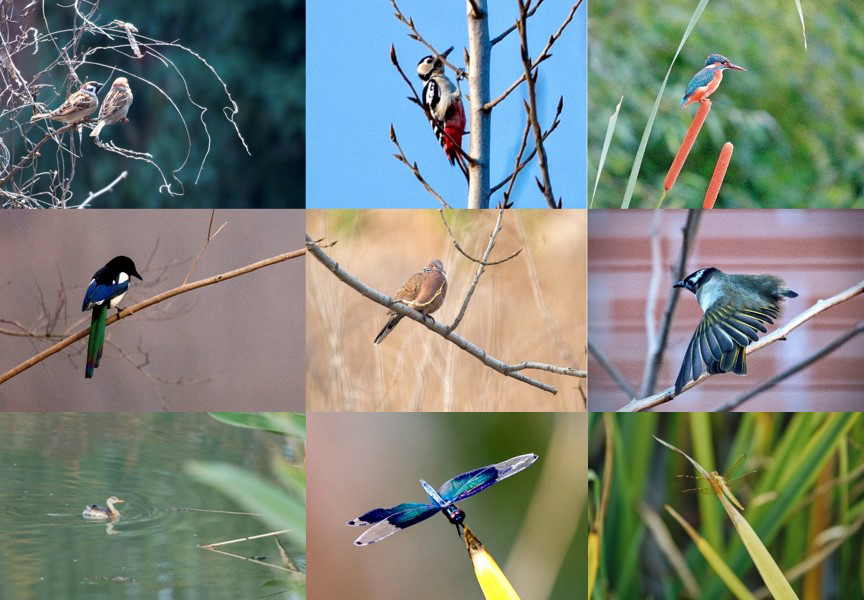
[467, 484]
[387, 521]
[735, 466]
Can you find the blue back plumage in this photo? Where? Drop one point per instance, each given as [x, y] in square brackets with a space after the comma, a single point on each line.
[97, 293]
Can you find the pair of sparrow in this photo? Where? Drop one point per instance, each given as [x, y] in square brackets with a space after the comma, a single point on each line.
[81, 104]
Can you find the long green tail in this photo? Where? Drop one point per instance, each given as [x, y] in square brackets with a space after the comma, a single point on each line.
[97, 339]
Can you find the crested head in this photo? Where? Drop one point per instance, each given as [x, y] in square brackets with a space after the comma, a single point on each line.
[123, 264]
[697, 279]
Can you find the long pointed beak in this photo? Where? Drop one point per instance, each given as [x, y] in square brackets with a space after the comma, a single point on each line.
[679, 284]
[447, 52]
[736, 67]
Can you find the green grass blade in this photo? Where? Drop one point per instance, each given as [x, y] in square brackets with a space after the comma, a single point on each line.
[610, 129]
[637, 162]
[801, 16]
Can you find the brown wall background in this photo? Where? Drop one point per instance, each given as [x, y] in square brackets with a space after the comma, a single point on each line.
[241, 339]
[818, 253]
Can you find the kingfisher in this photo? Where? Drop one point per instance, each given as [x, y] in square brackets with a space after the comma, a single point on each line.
[706, 81]
[105, 291]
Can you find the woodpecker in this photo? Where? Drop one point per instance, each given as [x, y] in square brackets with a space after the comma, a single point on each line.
[444, 102]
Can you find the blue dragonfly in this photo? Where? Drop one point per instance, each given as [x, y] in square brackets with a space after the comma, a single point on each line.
[387, 521]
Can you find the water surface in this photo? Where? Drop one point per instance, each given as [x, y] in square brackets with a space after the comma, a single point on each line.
[53, 465]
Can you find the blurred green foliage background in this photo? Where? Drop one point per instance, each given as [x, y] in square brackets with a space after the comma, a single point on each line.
[795, 117]
[256, 46]
[805, 501]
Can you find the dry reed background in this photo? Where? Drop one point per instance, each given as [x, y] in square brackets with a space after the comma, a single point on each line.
[530, 308]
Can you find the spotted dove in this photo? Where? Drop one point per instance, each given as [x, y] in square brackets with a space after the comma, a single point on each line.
[424, 292]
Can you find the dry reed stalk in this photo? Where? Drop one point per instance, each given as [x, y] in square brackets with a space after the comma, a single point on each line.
[719, 174]
[687, 144]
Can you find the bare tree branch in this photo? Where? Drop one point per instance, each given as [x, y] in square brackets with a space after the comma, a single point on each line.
[531, 154]
[110, 187]
[512, 28]
[657, 339]
[610, 368]
[542, 57]
[488, 249]
[777, 335]
[415, 35]
[799, 366]
[414, 168]
[481, 264]
[531, 108]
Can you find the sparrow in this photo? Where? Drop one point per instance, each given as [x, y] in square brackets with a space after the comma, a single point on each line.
[77, 107]
[424, 292]
[735, 307]
[115, 106]
[105, 291]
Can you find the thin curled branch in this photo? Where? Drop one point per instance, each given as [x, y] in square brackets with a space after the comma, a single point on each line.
[482, 264]
[131, 310]
[777, 335]
[492, 243]
[443, 330]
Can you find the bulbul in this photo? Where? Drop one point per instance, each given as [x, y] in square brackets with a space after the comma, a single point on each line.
[424, 292]
[735, 307]
[105, 291]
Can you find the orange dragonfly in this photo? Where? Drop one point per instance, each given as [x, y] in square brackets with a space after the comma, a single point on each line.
[721, 485]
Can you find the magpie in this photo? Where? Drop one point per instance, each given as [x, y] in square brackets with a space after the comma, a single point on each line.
[105, 291]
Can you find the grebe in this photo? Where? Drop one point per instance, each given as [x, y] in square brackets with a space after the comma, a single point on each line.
[94, 511]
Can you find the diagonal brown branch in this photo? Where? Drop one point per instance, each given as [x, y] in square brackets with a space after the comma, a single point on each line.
[815, 357]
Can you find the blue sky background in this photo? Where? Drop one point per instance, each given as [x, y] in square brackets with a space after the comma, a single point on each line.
[354, 93]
